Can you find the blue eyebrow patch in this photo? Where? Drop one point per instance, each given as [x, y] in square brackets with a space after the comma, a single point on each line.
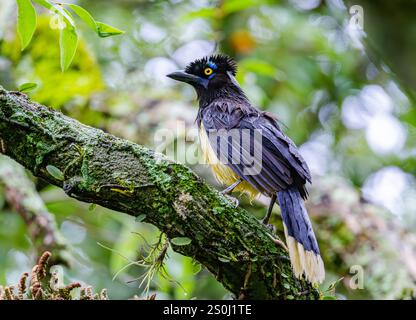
[212, 65]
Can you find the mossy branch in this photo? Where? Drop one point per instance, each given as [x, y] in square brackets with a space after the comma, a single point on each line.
[93, 166]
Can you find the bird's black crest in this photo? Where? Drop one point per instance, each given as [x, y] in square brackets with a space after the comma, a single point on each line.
[224, 64]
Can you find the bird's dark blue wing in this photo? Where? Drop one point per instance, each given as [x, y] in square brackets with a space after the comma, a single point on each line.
[252, 145]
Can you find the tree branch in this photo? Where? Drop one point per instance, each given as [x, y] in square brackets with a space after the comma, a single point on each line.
[21, 194]
[100, 168]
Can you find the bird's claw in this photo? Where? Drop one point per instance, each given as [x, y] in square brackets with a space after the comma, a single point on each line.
[269, 226]
[233, 200]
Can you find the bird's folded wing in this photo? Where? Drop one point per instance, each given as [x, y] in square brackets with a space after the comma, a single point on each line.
[256, 150]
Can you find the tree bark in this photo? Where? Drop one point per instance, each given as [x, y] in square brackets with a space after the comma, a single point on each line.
[93, 166]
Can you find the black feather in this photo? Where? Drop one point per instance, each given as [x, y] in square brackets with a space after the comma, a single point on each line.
[296, 218]
[223, 62]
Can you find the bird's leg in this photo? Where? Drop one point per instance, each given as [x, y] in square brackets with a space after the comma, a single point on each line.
[229, 189]
[269, 211]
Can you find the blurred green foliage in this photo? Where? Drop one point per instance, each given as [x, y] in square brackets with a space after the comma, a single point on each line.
[353, 118]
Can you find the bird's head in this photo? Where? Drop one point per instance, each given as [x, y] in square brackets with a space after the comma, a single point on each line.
[208, 74]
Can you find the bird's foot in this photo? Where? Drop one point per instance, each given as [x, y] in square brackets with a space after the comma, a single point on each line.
[233, 200]
[269, 226]
[19, 93]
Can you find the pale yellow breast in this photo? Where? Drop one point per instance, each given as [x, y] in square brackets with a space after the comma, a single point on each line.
[222, 172]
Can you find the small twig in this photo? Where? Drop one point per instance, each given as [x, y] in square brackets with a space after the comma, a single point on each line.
[278, 242]
[246, 280]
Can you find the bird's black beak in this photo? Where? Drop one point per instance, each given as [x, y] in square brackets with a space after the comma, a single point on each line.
[186, 77]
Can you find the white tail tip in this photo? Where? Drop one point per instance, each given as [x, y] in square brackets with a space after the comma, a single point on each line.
[305, 262]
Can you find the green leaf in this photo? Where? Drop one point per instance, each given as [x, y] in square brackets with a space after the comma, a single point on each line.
[140, 218]
[223, 259]
[64, 13]
[26, 21]
[333, 285]
[92, 207]
[58, 9]
[181, 241]
[28, 86]
[196, 268]
[85, 16]
[105, 30]
[68, 42]
[55, 172]
[329, 298]
[44, 3]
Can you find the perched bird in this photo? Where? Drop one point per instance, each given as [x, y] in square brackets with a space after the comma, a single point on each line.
[249, 153]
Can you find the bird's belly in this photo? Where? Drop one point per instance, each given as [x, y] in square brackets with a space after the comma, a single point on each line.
[223, 173]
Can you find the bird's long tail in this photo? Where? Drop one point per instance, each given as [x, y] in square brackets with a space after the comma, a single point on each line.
[301, 242]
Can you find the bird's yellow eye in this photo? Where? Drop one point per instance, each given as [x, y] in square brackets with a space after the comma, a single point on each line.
[208, 71]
